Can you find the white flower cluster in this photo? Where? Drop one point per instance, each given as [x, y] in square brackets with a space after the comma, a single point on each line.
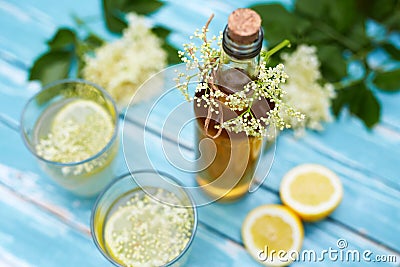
[122, 66]
[304, 92]
[267, 86]
[148, 231]
[209, 60]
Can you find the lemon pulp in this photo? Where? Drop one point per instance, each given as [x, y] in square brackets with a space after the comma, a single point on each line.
[269, 230]
[312, 191]
[79, 130]
[311, 188]
[272, 228]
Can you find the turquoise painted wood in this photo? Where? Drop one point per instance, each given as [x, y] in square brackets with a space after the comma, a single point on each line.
[43, 225]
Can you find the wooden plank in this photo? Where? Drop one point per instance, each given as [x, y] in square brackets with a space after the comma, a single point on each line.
[14, 91]
[364, 196]
[33, 24]
[22, 25]
[31, 237]
[210, 249]
[374, 152]
[25, 228]
[390, 109]
[20, 172]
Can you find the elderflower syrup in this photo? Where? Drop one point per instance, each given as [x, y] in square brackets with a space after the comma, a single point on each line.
[72, 127]
[229, 161]
[149, 225]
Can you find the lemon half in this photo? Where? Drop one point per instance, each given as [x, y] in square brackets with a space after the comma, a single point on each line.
[312, 191]
[269, 229]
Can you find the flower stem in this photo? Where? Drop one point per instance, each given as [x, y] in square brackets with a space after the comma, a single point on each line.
[81, 23]
[281, 45]
[333, 33]
[345, 84]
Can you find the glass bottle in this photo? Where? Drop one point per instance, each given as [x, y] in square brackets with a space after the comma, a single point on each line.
[227, 160]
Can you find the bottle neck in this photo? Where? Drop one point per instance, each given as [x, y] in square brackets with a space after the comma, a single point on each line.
[242, 57]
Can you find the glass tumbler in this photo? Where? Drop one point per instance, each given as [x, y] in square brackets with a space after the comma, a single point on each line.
[71, 127]
[135, 190]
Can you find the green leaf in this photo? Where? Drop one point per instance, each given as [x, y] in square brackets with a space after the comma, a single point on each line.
[280, 24]
[392, 22]
[52, 66]
[368, 108]
[114, 10]
[358, 35]
[172, 54]
[161, 32]
[312, 8]
[339, 103]
[333, 65]
[378, 9]
[93, 41]
[392, 51]
[315, 36]
[171, 51]
[342, 15]
[63, 39]
[346, 96]
[143, 7]
[112, 15]
[388, 81]
[361, 102]
[338, 14]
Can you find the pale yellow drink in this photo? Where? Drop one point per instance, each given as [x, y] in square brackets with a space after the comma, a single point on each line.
[147, 230]
[75, 133]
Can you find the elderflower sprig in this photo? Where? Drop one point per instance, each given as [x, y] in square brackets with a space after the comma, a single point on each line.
[206, 63]
[206, 58]
[266, 86]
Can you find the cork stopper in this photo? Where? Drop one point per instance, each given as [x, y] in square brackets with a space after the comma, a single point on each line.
[244, 26]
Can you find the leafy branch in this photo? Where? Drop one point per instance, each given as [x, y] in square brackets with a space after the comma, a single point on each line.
[68, 46]
[338, 30]
[64, 57]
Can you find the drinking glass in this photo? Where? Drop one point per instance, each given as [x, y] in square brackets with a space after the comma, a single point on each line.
[139, 182]
[86, 177]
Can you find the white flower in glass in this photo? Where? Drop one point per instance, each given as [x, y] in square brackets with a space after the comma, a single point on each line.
[122, 66]
[303, 90]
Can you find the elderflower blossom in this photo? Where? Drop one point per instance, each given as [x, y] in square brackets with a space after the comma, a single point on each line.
[209, 59]
[122, 66]
[267, 86]
[207, 95]
[304, 92]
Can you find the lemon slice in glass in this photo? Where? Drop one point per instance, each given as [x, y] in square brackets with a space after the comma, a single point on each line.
[269, 229]
[147, 232]
[312, 191]
[79, 130]
[117, 234]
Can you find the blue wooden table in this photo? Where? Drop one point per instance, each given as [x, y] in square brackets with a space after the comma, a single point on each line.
[43, 225]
